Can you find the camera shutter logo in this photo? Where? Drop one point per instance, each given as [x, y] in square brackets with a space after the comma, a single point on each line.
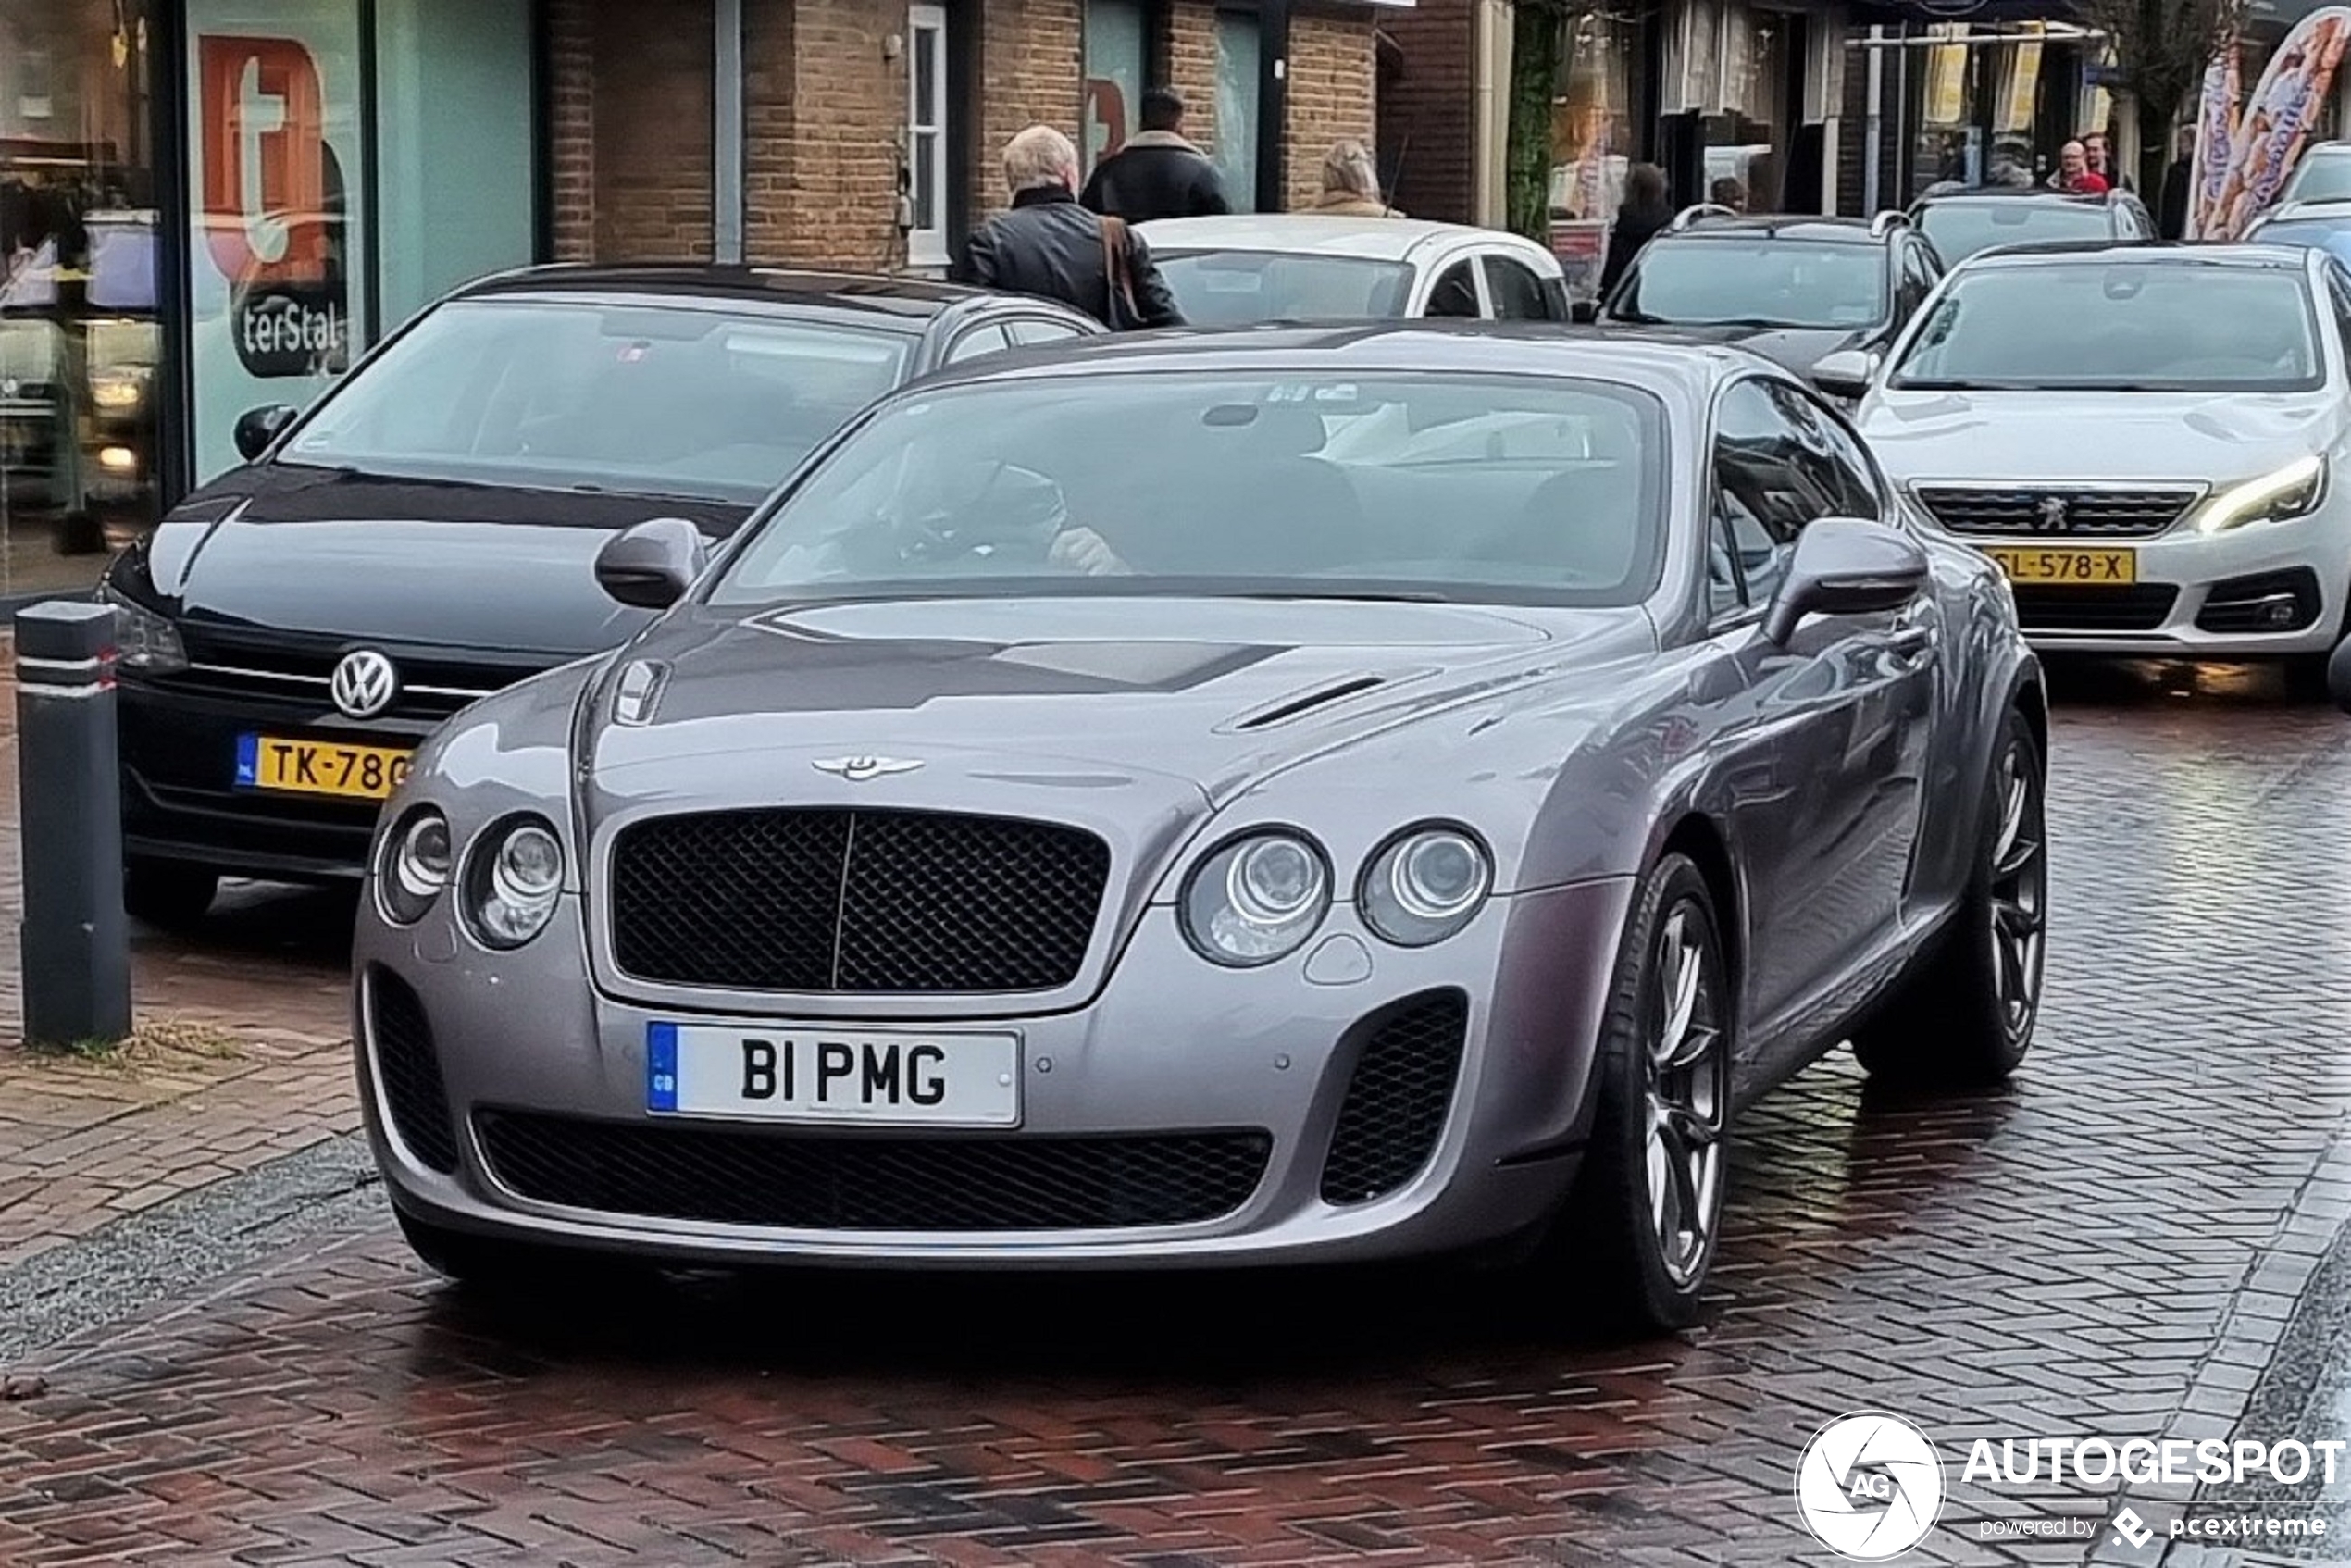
[364, 684]
[1869, 1485]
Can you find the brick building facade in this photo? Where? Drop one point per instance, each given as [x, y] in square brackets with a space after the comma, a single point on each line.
[833, 95]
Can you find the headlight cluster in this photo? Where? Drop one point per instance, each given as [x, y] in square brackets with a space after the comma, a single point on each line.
[2293, 490]
[144, 640]
[511, 876]
[1258, 897]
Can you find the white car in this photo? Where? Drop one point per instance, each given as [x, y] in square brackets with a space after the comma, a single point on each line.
[2151, 441]
[1248, 269]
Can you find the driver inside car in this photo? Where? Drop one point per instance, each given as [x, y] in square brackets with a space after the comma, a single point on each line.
[1010, 519]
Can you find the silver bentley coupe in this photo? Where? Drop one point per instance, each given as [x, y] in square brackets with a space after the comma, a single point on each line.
[1220, 799]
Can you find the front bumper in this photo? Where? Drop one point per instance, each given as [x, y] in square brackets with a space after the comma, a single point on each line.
[180, 800]
[1171, 1046]
[2264, 591]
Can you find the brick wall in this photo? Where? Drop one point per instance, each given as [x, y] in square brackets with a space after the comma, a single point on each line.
[571, 131]
[1031, 71]
[1334, 92]
[1853, 133]
[837, 126]
[652, 109]
[1433, 100]
[1191, 66]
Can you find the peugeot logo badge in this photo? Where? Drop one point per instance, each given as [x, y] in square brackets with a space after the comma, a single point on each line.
[364, 684]
[2055, 509]
[858, 769]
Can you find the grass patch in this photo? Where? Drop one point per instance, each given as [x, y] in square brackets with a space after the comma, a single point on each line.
[156, 1042]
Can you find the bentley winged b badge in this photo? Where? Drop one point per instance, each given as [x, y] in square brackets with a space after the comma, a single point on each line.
[858, 769]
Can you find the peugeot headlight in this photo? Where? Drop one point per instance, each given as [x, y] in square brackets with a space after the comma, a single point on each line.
[1426, 884]
[412, 867]
[1257, 899]
[146, 639]
[513, 876]
[2293, 490]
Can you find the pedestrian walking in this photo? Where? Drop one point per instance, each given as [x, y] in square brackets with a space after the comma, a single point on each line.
[2172, 219]
[1049, 246]
[1350, 183]
[1644, 215]
[1158, 173]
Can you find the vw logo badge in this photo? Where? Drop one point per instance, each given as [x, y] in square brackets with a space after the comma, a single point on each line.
[2054, 510]
[364, 684]
[858, 769]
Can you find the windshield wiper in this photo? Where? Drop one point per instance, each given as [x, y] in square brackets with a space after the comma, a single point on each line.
[1365, 595]
[1641, 318]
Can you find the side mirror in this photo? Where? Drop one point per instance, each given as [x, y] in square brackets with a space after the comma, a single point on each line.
[1845, 566]
[651, 566]
[1846, 373]
[1584, 312]
[257, 427]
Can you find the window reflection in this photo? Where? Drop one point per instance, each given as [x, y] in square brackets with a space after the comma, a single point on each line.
[79, 333]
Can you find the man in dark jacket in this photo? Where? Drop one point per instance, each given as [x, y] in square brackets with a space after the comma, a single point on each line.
[1157, 173]
[2172, 221]
[1049, 246]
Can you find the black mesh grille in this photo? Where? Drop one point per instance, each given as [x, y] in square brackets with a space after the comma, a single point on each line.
[411, 1072]
[2045, 607]
[1396, 1102]
[863, 900]
[2287, 601]
[2055, 512]
[795, 1181]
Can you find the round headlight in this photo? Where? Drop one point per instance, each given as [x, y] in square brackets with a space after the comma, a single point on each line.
[1425, 885]
[512, 879]
[414, 867]
[1257, 899]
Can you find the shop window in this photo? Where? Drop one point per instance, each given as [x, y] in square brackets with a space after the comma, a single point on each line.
[1113, 76]
[927, 160]
[1238, 56]
[81, 337]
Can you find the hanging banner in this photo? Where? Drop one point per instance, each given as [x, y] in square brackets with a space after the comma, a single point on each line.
[2276, 123]
[2023, 81]
[2216, 135]
[1945, 99]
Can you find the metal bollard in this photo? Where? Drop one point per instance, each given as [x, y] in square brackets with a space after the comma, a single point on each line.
[75, 944]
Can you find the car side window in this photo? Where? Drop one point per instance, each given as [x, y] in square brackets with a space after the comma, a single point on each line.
[1455, 293]
[1033, 330]
[1834, 463]
[1763, 494]
[2339, 294]
[1725, 585]
[985, 339]
[1517, 291]
[1918, 276]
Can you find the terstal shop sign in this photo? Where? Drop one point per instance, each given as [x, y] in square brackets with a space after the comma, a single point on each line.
[272, 200]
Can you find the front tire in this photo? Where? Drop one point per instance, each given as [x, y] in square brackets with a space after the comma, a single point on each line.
[1639, 1233]
[1966, 1017]
[169, 893]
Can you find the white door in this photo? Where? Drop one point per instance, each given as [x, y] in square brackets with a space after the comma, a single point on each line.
[926, 153]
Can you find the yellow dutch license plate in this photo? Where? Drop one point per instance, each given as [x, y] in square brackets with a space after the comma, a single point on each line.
[2087, 568]
[319, 768]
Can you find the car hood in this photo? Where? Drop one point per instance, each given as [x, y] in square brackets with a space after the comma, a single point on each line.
[1214, 693]
[2038, 435]
[406, 563]
[1796, 349]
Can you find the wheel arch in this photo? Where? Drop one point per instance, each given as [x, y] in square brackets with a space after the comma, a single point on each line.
[1702, 839]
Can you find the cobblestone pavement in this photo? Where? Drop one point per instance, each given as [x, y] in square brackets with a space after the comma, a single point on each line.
[241, 1057]
[2116, 1245]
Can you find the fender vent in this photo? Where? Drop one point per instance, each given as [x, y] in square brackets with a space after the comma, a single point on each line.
[1294, 707]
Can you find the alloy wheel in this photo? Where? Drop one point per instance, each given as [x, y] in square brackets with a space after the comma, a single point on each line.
[1688, 1088]
[2019, 885]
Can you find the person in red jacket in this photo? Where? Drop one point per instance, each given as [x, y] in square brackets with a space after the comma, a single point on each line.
[2074, 173]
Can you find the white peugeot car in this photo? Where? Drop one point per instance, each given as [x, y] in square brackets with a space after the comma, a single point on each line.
[2151, 441]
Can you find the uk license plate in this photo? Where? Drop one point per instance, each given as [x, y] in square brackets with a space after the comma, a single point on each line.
[2087, 568]
[319, 768]
[786, 1073]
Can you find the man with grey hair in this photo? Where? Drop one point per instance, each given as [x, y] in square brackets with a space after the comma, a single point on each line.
[1050, 246]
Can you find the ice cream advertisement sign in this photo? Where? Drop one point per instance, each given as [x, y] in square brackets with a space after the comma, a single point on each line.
[2273, 126]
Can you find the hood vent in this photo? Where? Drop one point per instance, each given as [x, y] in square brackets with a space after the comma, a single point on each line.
[1306, 703]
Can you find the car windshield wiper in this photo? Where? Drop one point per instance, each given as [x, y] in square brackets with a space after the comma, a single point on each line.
[1943, 383]
[1364, 595]
[1640, 319]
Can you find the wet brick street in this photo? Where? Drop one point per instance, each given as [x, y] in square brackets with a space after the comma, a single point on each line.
[2138, 1238]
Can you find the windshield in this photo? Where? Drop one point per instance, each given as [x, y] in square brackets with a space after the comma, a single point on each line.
[1478, 489]
[1958, 229]
[2095, 324]
[2332, 235]
[2322, 177]
[653, 399]
[1241, 288]
[1771, 283]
